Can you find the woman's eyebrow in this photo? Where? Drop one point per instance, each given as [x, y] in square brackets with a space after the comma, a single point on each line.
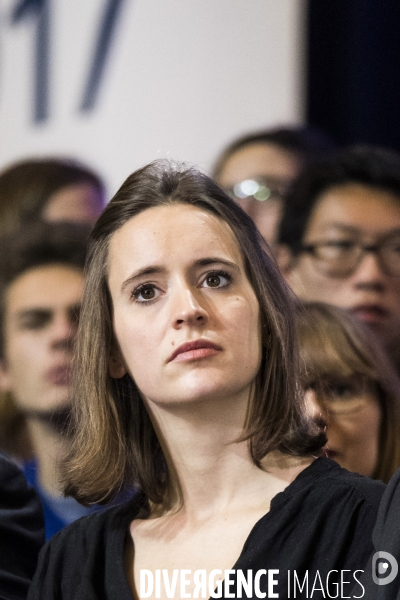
[150, 270]
[156, 270]
[204, 262]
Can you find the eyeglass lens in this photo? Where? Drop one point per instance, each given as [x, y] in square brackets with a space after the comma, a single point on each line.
[341, 258]
[259, 190]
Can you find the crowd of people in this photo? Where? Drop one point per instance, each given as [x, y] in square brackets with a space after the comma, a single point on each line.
[207, 369]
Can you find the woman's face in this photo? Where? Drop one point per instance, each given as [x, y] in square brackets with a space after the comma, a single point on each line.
[186, 318]
[352, 413]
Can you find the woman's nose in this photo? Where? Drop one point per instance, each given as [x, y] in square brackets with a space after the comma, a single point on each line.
[189, 309]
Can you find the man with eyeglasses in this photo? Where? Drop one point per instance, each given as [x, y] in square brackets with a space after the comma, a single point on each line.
[257, 169]
[340, 237]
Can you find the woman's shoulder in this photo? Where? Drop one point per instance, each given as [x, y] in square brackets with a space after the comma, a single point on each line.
[324, 482]
[104, 523]
[77, 557]
[371, 489]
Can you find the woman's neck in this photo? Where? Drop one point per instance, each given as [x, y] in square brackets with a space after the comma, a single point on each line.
[210, 470]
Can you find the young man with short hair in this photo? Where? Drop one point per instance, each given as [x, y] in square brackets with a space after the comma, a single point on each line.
[340, 237]
[41, 284]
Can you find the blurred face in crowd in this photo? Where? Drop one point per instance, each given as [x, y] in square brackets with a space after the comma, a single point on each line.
[257, 177]
[350, 410]
[40, 325]
[79, 203]
[351, 257]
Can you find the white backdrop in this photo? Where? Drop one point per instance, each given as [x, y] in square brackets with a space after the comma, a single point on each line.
[178, 78]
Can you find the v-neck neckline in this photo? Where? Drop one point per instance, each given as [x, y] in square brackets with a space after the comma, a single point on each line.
[305, 477]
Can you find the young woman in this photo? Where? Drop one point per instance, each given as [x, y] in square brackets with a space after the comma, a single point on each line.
[352, 387]
[187, 386]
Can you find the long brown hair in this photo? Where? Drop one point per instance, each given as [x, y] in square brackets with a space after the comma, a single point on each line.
[115, 442]
[333, 343]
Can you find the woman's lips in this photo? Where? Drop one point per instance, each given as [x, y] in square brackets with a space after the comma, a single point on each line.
[194, 351]
[370, 313]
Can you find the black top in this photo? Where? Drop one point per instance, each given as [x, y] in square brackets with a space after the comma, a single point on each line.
[322, 521]
[21, 532]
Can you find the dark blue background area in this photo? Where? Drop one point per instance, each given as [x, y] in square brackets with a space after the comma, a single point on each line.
[353, 61]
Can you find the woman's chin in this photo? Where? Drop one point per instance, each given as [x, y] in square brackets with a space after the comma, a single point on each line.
[203, 393]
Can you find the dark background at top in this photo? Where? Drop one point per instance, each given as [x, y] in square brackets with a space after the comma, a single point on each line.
[353, 83]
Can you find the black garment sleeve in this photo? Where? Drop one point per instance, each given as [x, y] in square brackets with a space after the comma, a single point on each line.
[21, 532]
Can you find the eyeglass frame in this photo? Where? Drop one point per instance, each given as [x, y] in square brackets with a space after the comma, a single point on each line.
[365, 387]
[278, 191]
[363, 250]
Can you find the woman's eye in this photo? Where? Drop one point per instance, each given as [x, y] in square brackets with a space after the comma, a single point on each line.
[145, 293]
[340, 391]
[217, 280]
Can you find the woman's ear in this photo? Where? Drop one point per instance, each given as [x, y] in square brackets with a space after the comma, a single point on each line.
[116, 363]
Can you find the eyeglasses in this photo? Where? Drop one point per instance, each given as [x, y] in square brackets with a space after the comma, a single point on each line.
[259, 189]
[347, 397]
[340, 258]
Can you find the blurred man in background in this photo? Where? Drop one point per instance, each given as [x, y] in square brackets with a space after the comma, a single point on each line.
[258, 169]
[340, 238]
[41, 284]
